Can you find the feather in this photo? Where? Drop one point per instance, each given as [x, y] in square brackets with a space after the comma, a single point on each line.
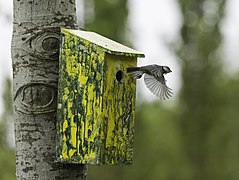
[157, 87]
[135, 72]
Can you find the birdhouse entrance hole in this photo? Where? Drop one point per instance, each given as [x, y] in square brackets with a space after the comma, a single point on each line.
[96, 99]
[119, 75]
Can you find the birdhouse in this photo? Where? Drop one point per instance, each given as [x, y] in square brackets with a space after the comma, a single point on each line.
[96, 100]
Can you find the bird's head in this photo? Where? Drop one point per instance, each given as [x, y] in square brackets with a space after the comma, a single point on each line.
[166, 69]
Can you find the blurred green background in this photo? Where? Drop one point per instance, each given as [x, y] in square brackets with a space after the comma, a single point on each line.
[195, 139]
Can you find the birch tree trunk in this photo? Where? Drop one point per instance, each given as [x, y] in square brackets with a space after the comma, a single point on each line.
[35, 45]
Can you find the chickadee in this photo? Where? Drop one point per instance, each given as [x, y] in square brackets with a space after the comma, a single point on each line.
[153, 78]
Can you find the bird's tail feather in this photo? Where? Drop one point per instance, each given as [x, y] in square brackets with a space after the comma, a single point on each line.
[135, 72]
[132, 69]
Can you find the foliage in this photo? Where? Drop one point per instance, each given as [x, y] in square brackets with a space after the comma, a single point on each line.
[198, 139]
[7, 163]
[7, 156]
[200, 99]
[109, 18]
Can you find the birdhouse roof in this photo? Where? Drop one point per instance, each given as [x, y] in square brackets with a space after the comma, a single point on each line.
[110, 46]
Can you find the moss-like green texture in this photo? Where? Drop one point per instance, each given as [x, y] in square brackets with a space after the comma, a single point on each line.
[95, 118]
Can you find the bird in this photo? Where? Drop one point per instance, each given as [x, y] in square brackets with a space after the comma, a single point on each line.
[153, 79]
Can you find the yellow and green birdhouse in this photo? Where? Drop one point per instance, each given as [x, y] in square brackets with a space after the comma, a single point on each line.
[96, 100]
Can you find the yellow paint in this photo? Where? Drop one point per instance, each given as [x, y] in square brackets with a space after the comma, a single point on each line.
[113, 113]
[64, 149]
[82, 138]
[97, 111]
[72, 152]
[66, 94]
[65, 125]
[73, 132]
[70, 103]
[82, 79]
[89, 157]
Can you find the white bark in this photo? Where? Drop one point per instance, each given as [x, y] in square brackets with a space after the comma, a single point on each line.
[35, 72]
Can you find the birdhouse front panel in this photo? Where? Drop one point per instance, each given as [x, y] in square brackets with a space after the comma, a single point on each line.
[118, 110]
[96, 101]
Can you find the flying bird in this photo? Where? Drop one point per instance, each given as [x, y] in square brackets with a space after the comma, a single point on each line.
[153, 79]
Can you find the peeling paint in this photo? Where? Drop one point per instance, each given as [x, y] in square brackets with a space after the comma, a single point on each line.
[95, 117]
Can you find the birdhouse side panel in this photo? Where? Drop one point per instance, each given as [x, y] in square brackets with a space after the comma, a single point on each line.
[80, 94]
[119, 110]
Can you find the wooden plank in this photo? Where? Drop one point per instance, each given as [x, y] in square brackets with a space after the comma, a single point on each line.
[95, 119]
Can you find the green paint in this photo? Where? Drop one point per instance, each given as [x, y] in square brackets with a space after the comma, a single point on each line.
[95, 119]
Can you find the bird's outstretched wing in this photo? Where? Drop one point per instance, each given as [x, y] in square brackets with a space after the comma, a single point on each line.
[158, 87]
